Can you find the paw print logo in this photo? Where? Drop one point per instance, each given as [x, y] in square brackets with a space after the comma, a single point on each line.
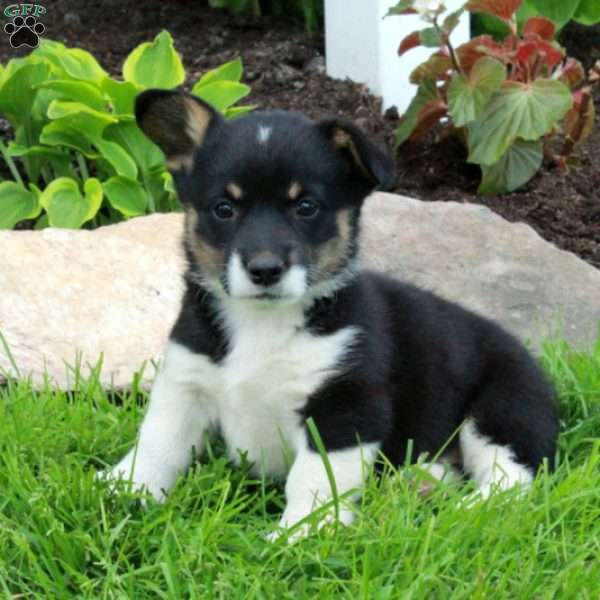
[24, 32]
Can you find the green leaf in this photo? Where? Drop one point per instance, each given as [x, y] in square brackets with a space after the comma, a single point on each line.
[230, 71]
[60, 133]
[221, 94]
[452, 20]
[588, 12]
[517, 110]
[467, 96]
[515, 168]
[126, 195]
[121, 93]
[78, 91]
[119, 159]
[430, 37]
[432, 68]
[66, 206]
[139, 147]
[16, 95]
[155, 64]
[168, 183]
[73, 62]
[57, 158]
[426, 93]
[78, 110]
[402, 8]
[238, 111]
[16, 204]
[558, 11]
[493, 26]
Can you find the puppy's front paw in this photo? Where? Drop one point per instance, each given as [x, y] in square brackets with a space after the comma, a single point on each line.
[143, 477]
[292, 533]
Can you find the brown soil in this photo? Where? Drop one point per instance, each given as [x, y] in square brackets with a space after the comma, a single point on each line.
[284, 66]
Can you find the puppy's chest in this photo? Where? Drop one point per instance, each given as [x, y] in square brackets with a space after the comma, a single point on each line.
[273, 366]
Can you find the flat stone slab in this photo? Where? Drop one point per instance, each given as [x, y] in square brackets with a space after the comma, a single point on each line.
[69, 297]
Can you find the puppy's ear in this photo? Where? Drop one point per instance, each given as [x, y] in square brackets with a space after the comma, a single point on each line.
[176, 122]
[376, 167]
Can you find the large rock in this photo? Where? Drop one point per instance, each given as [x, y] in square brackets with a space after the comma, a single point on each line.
[68, 297]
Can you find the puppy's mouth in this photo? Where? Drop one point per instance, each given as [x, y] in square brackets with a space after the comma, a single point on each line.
[267, 296]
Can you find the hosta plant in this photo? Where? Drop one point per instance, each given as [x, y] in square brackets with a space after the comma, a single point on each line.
[77, 155]
[512, 101]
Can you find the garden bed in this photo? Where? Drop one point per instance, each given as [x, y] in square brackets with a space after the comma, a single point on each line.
[285, 67]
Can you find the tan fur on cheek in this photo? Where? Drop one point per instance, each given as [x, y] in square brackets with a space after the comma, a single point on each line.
[333, 255]
[208, 258]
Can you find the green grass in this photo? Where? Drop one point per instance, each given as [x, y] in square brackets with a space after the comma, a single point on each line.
[63, 536]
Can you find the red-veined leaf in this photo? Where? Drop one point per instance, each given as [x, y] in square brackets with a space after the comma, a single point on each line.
[572, 73]
[579, 121]
[525, 51]
[540, 26]
[551, 55]
[429, 116]
[533, 47]
[433, 68]
[409, 42]
[426, 93]
[478, 47]
[503, 9]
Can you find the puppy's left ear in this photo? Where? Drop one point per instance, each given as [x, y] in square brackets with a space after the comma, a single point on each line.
[376, 166]
[176, 122]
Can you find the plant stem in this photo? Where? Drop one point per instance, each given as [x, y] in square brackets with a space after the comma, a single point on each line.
[11, 164]
[83, 170]
[454, 57]
[446, 39]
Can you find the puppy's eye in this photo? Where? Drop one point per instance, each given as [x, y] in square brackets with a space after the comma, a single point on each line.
[307, 208]
[224, 210]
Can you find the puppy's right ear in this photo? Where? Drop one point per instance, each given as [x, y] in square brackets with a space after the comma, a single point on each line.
[176, 122]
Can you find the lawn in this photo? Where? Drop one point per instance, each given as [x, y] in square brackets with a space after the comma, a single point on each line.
[62, 535]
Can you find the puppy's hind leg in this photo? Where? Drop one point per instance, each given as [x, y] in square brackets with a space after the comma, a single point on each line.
[511, 424]
[492, 466]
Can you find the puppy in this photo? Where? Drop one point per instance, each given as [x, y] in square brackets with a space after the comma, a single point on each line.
[278, 324]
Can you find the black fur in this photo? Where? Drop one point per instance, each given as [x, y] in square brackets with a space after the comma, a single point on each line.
[421, 365]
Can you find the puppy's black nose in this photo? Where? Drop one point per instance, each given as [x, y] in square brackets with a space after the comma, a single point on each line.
[265, 269]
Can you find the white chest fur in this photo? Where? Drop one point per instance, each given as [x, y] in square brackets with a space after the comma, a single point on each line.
[274, 364]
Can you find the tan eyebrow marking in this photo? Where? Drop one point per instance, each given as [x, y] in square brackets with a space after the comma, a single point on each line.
[294, 190]
[234, 190]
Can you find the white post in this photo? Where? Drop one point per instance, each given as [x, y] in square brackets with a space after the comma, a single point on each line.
[363, 46]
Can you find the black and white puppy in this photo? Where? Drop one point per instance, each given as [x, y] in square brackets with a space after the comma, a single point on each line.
[278, 324]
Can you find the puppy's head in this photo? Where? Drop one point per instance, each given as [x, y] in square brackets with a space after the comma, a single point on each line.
[272, 199]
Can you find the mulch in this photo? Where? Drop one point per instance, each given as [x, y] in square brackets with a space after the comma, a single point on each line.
[285, 67]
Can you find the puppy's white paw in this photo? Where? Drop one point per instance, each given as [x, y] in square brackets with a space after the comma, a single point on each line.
[291, 535]
[287, 525]
[143, 477]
